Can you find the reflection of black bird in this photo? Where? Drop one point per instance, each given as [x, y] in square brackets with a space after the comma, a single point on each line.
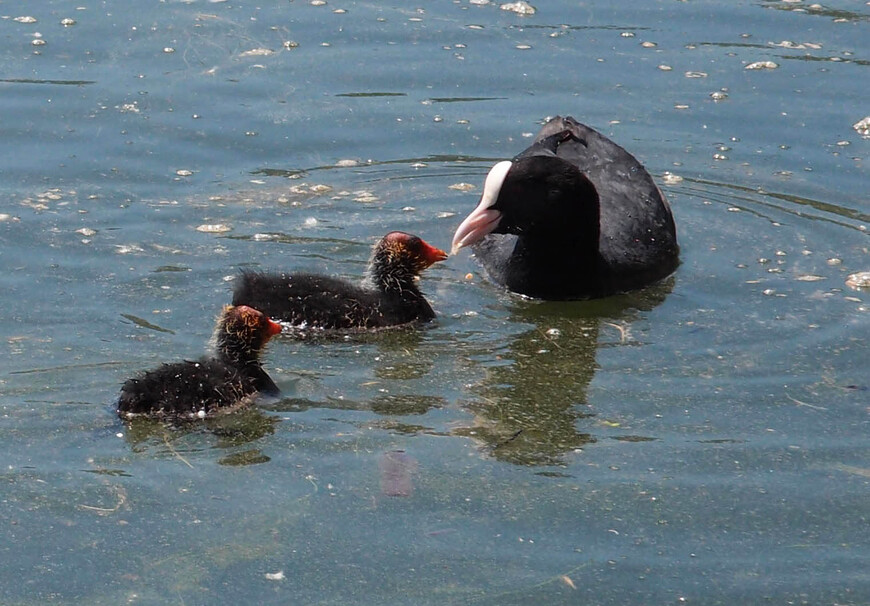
[310, 301]
[533, 399]
[196, 389]
[574, 216]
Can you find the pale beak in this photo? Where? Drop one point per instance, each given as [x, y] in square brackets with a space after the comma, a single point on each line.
[481, 221]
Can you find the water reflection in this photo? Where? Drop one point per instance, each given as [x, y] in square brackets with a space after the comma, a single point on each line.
[245, 457]
[531, 403]
[394, 361]
[405, 404]
[400, 357]
[230, 430]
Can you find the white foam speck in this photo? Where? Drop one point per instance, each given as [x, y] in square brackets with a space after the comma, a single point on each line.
[520, 8]
[762, 65]
[213, 228]
[862, 126]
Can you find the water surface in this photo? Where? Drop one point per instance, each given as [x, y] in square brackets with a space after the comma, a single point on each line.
[701, 441]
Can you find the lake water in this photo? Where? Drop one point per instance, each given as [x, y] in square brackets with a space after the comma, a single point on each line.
[704, 441]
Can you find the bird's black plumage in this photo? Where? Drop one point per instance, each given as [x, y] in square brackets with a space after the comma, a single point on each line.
[312, 302]
[198, 388]
[573, 216]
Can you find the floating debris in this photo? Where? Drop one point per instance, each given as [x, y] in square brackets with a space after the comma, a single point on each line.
[859, 281]
[365, 197]
[213, 228]
[648, 44]
[86, 231]
[696, 74]
[34, 205]
[67, 22]
[347, 163]
[795, 45]
[257, 52]
[671, 179]
[305, 189]
[183, 172]
[810, 278]
[762, 65]
[168, 49]
[276, 576]
[445, 214]
[665, 68]
[27, 19]
[461, 186]
[290, 44]
[523, 47]
[520, 8]
[863, 127]
[718, 95]
[52, 194]
[480, 2]
[38, 42]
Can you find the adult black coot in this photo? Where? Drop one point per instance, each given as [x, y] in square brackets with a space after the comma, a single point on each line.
[201, 388]
[312, 302]
[574, 216]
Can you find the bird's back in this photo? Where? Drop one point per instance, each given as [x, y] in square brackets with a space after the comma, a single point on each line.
[312, 301]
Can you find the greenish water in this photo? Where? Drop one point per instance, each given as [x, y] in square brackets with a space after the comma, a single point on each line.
[703, 441]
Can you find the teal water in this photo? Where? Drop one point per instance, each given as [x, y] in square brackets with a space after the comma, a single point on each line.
[703, 441]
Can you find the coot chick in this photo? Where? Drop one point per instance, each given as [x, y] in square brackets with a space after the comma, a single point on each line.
[574, 216]
[311, 302]
[201, 388]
